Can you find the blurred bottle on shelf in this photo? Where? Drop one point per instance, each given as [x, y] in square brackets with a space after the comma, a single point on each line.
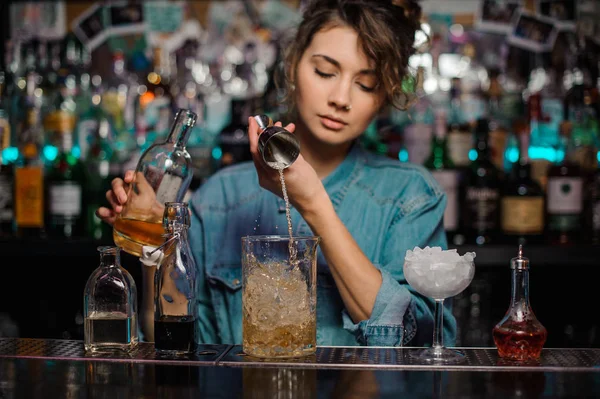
[29, 177]
[233, 142]
[522, 213]
[481, 192]
[442, 169]
[564, 192]
[65, 175]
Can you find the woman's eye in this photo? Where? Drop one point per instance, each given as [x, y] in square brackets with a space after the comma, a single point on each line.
[323, 74]
[368, 89]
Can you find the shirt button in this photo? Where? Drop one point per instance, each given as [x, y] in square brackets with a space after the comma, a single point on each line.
[236, 281]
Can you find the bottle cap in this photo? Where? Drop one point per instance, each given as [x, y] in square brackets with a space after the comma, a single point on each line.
[520, 262]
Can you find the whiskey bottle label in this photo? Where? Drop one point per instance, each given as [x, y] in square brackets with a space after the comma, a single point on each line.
[482, 207]
[459, 145]
[448, 179]
[565, 195]
[523, 215]
[29, 196]
[65, 199]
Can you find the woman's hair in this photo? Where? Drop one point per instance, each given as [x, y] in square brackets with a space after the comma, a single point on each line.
[386, 31]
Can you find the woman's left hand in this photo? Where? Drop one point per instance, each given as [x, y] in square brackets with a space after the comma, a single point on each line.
[303, 185]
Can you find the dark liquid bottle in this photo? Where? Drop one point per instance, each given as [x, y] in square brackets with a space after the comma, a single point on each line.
[564, 190]
[233, 139]
[522, 200]
[175, 333]
[481, 192]
[519, 336]
[175, 286]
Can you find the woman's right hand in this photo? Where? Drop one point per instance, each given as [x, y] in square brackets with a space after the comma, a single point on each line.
[117, 197]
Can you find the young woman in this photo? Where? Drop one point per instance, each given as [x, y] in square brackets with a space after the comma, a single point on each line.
[348, 60]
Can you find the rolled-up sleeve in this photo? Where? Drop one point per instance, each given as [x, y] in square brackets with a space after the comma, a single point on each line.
[401, 316]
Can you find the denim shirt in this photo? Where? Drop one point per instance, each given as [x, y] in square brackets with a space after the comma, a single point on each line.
[387, 206]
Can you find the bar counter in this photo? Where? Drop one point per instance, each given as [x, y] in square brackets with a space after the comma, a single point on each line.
[32, 368]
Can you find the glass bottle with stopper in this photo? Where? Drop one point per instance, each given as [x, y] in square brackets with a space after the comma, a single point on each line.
[278, 147]
[519, 335]
[163, 174]
[175, 286]
[110, 306]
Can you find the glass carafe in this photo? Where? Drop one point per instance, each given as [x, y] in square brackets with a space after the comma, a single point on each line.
[110, 306]
[519, 335]
[279, 296]
[175, 286]
[163, 174]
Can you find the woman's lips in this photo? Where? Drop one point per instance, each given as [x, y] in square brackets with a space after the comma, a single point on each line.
[332, 123]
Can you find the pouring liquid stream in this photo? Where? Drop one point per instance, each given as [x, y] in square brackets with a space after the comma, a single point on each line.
[292, 248]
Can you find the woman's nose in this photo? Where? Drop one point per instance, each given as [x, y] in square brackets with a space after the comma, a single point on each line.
[339, 97]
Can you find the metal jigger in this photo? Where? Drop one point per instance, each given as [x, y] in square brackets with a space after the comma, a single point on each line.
[278, 147]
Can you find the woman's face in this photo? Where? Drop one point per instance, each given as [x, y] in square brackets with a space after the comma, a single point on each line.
[337, 94]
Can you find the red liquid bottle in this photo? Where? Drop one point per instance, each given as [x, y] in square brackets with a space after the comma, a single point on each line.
[519, 335]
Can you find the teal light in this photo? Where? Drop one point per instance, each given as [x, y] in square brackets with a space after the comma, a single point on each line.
[217, 153]
[10, 154]
[598, 156]
[512, 154]
[403, 155]
[76, 152]
[472, 155]
[50, 152]
[547, 153]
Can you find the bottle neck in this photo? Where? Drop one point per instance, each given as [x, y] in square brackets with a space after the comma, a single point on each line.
[520, 287]
[180, 130]
[110, 258]
[481, 146]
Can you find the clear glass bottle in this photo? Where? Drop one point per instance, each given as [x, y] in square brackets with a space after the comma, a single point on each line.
[519, 335]
[110, 306]
[163, 174]
[175, 286]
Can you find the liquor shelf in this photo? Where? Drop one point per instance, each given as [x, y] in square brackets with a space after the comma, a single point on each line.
[30, 366]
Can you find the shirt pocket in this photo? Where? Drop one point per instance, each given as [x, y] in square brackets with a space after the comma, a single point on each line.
[227, 276]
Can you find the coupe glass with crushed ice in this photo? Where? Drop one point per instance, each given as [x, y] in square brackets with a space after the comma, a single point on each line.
[279, 296]
[438, 274]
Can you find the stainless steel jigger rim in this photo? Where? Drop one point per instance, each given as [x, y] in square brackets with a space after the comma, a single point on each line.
[288, 153]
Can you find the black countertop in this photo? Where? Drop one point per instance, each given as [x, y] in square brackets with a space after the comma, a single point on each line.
[59, 368]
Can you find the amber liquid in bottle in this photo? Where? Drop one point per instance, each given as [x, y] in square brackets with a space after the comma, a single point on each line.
[515, 342]
[519, 336]
[132, 234]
